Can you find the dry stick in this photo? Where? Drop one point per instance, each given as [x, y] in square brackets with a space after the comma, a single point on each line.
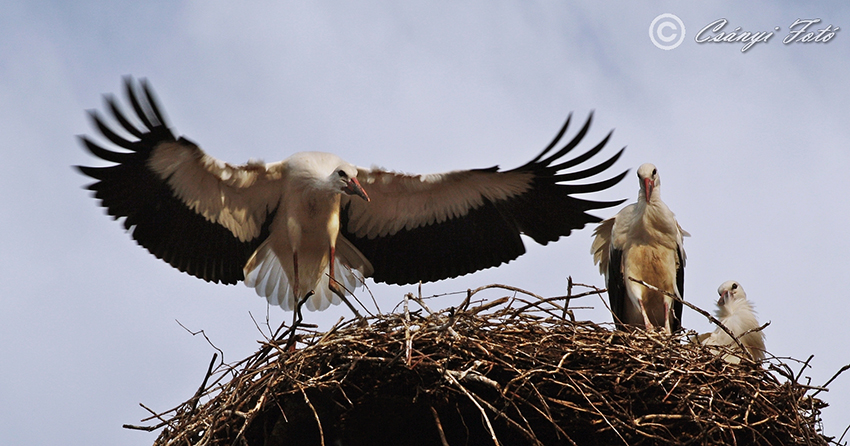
[351, 293]
[500, 413]
[257, 325]
[143, 428]
[418, 300]
[506, 287]
[598, 292]
[541, 300]
[408, 341]
[488, 305]
[803, 368]
[331, 331]
[842, 435]
[465, 304]
[443, 439]
[568, 296]
[474, 401]
[843, 369]
[660, 416]
[249, 417]
[195, 333]
[545, 411]
[539, 306]
[201, 389]
[755, 330]
[157, 416]
[371, 295]
[287, 367]
[315, 414]
[577, 387]
[700, 311]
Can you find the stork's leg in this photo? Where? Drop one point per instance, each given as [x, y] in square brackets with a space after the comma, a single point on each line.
[645, 315]
[667, 325]
[296, 319]
[296, 312]
[295, 292]
[336, 289]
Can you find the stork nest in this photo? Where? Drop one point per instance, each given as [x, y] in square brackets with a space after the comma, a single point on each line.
[518, 370]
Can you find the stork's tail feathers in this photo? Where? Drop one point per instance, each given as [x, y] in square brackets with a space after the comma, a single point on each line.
[264, 272]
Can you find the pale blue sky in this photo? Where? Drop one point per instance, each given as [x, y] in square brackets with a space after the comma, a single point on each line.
[752, 148]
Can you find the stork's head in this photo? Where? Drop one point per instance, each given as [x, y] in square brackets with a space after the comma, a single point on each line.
[325, 172]
[649, 180]
[345, 177]
[730, 291]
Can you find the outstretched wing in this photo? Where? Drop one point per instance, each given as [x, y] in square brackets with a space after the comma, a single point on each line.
[202, 216]
[432, 227]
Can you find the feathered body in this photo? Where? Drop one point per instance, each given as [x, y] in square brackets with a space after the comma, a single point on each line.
[303, 236]
[736, 313]
[643, 241]
[314, 222]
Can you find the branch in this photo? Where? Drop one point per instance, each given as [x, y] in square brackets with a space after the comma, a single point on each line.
[713, 319]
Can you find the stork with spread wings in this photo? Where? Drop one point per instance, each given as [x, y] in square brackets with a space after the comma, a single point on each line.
[316, 223]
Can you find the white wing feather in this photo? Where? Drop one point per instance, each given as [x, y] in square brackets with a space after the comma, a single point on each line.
[236, 197]
[401, 201]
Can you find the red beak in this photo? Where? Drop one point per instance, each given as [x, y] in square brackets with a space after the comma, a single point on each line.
[354, 188]
[647, 187]
[723, 298]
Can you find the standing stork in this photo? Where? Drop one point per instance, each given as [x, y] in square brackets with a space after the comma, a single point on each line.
[315, 225]
[643, 242]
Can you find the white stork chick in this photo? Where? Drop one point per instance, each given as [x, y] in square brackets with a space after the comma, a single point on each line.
[316, 223]
[736, 313]
[643, 241]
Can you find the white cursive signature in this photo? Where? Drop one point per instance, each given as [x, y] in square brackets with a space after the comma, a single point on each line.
[799, 33]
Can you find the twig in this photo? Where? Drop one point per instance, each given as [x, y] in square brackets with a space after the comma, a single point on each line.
[442, 433]
[195, 333]
[803, 368]
[830, 380]
[531, 372]
[203, 387]
[315, 414]
[713, 319]
[568, 296]
[475, 402]
[408, 341]
[660, 416]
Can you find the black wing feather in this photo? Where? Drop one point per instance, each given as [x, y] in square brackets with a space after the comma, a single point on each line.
[616, 284]
[680, 284]
[489, 235]
[119, 116]
[434, 252]
[156, 218]
[555, 140]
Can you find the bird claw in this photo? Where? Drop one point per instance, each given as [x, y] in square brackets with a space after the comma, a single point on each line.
[296, 320]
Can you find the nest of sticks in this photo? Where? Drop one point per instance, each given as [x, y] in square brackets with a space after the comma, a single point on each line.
[515, 370]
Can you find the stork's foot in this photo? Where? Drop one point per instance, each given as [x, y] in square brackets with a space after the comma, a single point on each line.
[646, 321]
[334, 286]
[297, 318]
